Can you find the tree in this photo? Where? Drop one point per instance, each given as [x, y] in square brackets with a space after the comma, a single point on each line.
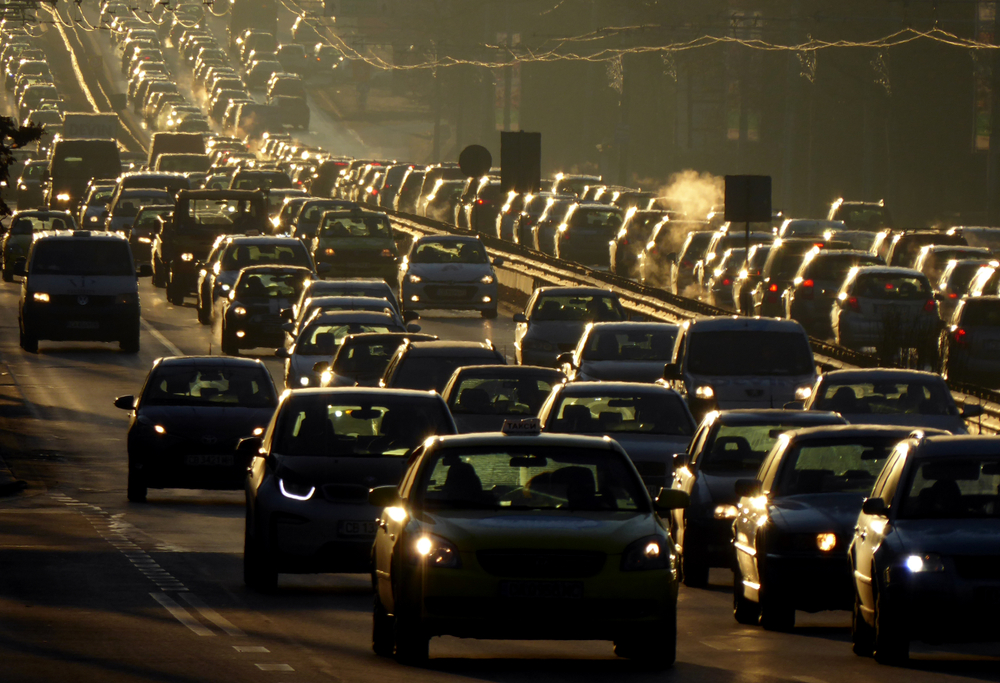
[13, 136]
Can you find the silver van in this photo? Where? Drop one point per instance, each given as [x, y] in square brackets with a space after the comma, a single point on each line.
[79, 286]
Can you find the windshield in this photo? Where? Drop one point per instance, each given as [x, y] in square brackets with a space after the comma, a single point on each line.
[502, 395]
[26, 225]
[128, 207]
[230, 215]
[886, 398]
[81, 257]
[953, 487]
[892, 286]
[369, 227]
[322, 339]
[577, 308]
[363, 358]
[657, 413]
[541, 478]
[223, 387]
[433, 372]
[239, 256]
[361, 426]
[741, 448]
[270, 285]
[449, 252]
[976, 312]
[630, 345]
[747, 352]
[833, 466]
[261, 181]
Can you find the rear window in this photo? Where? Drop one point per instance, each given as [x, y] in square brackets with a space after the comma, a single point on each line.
[835, 266]
[239, 256]
[365, 357]
[577, 308]
[82, 257]
[695, 245]
[223, 214]
[747, 352]
[886, 398]
[26, 225]
[630, 345]
[323, 338]
[891, 286]
[374, 227]
[978, 312]
[658, 413]
[598, 219]
[502, 395]
[787, 260]
[741, 448]
[433, 372]
[217, 387]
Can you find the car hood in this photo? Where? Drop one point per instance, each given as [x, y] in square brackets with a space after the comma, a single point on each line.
[821, 512]
[450, 272]
[952, 423]
[229, 423]
[364, 471]
[468, 423]
[647, 447]
[473, 530]
[622, 371]
[226, 277]
[302, 364]
[949, 536]
[562, 332]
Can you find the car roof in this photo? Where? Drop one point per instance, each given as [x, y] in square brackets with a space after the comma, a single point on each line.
[447, 238]
[933, 446]
[262, 239]
[879, 374]
[848, 431]
[567, 291]
[624, 388]
[768, 415]
[275, 269]
[550, 440]
[739, 322]
[101, 235]
[210, 361]
[499, 371]
[376, 392]
[448, 348]
[326, 317]
[627, 325]
[889, 270]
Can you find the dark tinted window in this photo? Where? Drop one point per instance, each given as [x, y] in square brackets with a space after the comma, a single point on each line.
[835, 266]
[743, 352]
[365, 358]
[270, 285]
[657, 413]
[886, 398]
[240, 256]
[223, 386]
[375, 227]
[630, 345]
[953, 487]
[891, 286]
[447, 251]
[82, 257]
[502, 395]
[833, 466]
[578, 308]
[433, 372]
[978, 312]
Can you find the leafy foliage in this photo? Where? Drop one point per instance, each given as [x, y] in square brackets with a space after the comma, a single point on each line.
[13, 136]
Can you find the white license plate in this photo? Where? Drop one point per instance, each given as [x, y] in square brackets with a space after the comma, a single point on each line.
[83, 325]
[349, 528]
[451, 292]
[209, 460]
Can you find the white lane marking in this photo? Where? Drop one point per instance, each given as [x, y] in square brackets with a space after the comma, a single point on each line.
[181, 614]
[274, 667]
[250, 648]
[227, 626]
[72, 57]
[158, 336]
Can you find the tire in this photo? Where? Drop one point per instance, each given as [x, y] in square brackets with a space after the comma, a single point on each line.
[776, 612]
[744, 611]
[653, 649]
[694, 567]
[490, 314]
[7, 274]
[228, 344]
[862, 634]
[174, 295]
[891, 645]
[158, 279]
[382, 631]
[130, 345]
[259, 574]
[204, 315]
[411, 644]
[28, 342]
[137, 488]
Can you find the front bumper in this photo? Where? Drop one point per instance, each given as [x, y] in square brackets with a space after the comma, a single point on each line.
[94, 321]
[944, 607]
[258, 330]
[810, 581]
[473, 296]
[709, 539]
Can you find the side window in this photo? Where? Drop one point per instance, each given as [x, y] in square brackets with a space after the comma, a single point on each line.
[892, 481]
[679, 347]
[887, 472]
[698, 442]
[769, 468]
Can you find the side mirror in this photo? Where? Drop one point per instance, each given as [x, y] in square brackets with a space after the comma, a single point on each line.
[972, 411]
[413, 327]
[672, 257]
[874, 506]
[671, 499]
[520, 318]
[939, 296]
[410, 316]
[145, 270]
[282, 353]
[324, 268]
[321, 367]
[249, 447]
[45, 176]
[795, 405]
[20, 266]
[384, 496]
[672, 371]
[499, 261]
[748, 488]
[287, 314]
[681, 460]
[288, 327]
[565, 358]
[125, 402]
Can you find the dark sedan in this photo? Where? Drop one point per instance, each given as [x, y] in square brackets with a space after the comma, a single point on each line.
[187, 420]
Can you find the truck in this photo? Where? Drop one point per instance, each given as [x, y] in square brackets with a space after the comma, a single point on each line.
[256, 14]
[174, 143]
[78, 125]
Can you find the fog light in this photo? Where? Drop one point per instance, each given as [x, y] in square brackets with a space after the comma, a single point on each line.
[924, 563]
[487, 299]
[826, 542]
[704, 392]
[414, 298]
[187, 257]
[241, 334]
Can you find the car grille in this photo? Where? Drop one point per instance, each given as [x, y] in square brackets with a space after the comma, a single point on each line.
[541, 563]
[977, 567]
[345, 493]
[82, 300]
[589, 609]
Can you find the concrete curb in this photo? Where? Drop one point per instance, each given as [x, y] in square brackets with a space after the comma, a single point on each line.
[9, 484]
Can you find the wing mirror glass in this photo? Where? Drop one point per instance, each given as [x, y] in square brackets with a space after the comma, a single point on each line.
[125, 402]
[671, 499]
[748, 488]
[520, 318]
[874, 506]
[972, 411]
[282, 353]
[384, 496]
[249, 447]
[672, 371]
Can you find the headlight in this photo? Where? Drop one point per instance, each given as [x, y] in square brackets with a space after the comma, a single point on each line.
[258, 431]
[62, 197]
[651, 552]
[187, 257]
[330, 252]
[224, 287]
[296, 491]
[145, 240]
[239, 310]
[725, 512]
[22, 187]
[920, 564]
[803, 393]
[41, 296]
[160, 429]
[304, 381]
[414, 278]
[486, 279]
[704, 392]
[94, 219]
[826, 542]
[435, 551]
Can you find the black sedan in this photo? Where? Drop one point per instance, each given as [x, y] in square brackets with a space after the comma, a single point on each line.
[796, 519]
[188, 419]
[251, 315]
[729, 445]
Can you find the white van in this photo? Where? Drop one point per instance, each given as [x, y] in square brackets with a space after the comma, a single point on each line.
[79, 286]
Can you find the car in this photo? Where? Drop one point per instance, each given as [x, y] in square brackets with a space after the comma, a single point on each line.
[621, 352]
[250, 313]
[554, 319]
[870, 216]
[730, 362]
[795, 520]
[357, 242]
[125, 205]
[932, 258]
[926, 546]
[534, 206]
[778, 273]
[23, 226]
[333, 304]
[891, 396]
[887, 309]
[187, 420]
[634, 233]
[405, 200]
[449, 272]
[954, 284]
[428, 365]
[95, 201]
[315, 463]
[661, 263]
[310, 212]
[497, 524]
[144, 227]
[807, 227]
[650, 421]
[717, 286]
[722, 240]
[376, 288]
[584, 233]
[482, 397]
[361, 359]
[544, 232]
[29, 185]
[747, 278]
[905, 246]
[813, 291]
[969, 344]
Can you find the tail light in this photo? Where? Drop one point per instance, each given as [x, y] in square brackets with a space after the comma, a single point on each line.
[686, 264]
[480, 201]
[960, 336]
[773, 287]
[852, 303]
[929, 306]
[726, 282]
[374, 191]
[624, 241]
[952, 295]
[387, 253]
[808, 289]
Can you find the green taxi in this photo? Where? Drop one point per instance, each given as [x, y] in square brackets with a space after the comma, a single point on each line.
[356, 243]
[518, 535]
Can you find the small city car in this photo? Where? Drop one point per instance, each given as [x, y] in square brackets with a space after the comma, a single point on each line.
[449, 272]
[307, 487]
[555, 318]
[188, 418]
[487, 533]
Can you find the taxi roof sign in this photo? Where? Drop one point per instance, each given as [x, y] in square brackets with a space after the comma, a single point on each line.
[525, 426]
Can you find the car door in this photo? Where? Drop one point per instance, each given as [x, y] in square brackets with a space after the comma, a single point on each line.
[389, 534]
[752, 517]
[685, 477]
[871, 530]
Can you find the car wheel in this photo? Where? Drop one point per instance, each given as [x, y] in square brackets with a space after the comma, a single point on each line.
[694, 567]
[204, 314]
[490, 313]
[28, 342]
[891, 646]
[8, 275]
[130, 344]
[259, 573]
[229, 346]
[862, 634]
[776, 612]
[382, 634]
[655, 648]
[137, 489]
[745, 611]
[158, 279]
[411, 644]
[174, 293]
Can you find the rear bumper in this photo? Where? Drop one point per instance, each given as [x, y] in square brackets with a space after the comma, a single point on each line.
[78, 323]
